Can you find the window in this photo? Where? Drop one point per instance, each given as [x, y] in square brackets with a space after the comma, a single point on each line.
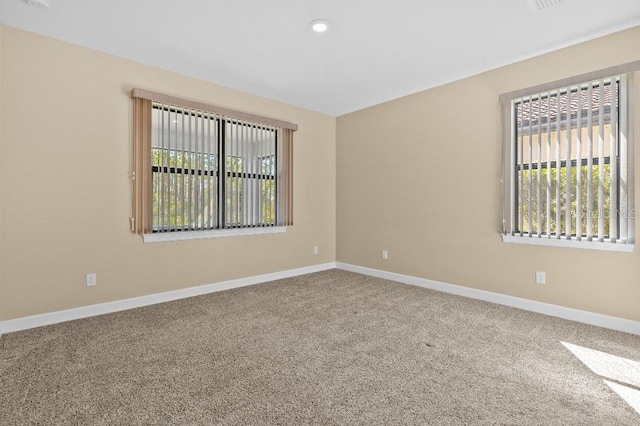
[568, 162]
[200, 170]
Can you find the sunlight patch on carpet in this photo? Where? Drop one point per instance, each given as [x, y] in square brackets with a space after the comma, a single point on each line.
[630, 395]
[623, 373]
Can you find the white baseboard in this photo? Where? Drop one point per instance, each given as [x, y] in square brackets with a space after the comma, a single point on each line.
[605, 321]
[33, 321]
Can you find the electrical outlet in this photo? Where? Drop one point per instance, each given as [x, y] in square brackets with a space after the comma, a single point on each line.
[385, 254]
[315, 249]
[541, 278]
[92, 279]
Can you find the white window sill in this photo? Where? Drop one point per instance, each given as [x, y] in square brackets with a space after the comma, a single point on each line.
[215, 233]
[573, 243]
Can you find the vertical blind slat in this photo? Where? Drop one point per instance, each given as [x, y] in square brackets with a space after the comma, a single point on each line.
[623, 168]
[590, 162]
[567, 139]
[196, 178]
[579, 166]
[601, 211]
[627, 136]
[271, 182]
[246, 180]
[199, 170]
[589, 183]
[209, 186]
[253, 152]
[248, 167]
[243, 169]
[222, 188]
[189, 170]
[173, 176]
[613, 162]
[232, 185]
[548, 183]
[558, 193]
[530, 174]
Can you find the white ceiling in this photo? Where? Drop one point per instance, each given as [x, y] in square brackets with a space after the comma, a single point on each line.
[374, 51]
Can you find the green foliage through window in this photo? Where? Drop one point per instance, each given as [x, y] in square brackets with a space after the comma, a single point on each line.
[540, 202]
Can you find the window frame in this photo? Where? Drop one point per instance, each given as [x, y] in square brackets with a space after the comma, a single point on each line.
[145, 171]
[510, 165]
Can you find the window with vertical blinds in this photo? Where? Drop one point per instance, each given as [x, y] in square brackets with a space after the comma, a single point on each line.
[200, 169]
[568, 164]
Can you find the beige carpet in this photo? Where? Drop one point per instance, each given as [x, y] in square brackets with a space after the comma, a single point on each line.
[326, 348]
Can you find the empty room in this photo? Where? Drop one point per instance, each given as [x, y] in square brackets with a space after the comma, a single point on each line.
[414, 212]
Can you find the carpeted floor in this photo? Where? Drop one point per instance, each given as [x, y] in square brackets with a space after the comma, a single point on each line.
[330, 348]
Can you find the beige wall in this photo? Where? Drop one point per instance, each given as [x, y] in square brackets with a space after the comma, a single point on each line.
[65, 141]
[64, 167]
[420, 177]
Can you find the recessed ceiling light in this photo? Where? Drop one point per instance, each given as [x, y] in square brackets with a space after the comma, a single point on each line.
[39, 4]
[319, 25]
